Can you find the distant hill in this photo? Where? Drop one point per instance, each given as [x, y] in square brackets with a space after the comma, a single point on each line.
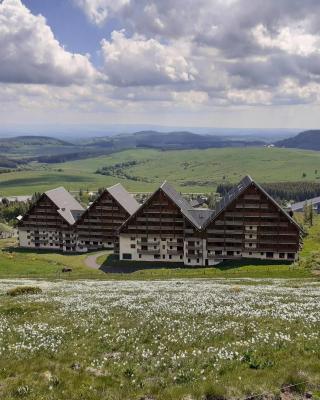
[24, 149]
[169, 141]
[308, 140]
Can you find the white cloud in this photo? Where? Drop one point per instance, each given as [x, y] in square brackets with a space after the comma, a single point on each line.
[139, 61]
[29, 52]
[288, 39]
[98, 10]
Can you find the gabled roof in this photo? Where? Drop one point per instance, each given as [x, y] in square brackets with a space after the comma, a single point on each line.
[300, 205]
[196, 217]
[236, 192]
[124, 198]
[68, 207]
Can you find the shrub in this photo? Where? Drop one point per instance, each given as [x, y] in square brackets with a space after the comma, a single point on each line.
[21, 290]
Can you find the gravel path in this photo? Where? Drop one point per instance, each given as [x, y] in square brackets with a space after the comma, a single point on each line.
[91, 261]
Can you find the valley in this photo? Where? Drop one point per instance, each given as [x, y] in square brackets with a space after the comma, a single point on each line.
[196, 171]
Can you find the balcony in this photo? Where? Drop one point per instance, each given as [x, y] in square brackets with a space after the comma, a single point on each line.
[148, 252]
[149, 242]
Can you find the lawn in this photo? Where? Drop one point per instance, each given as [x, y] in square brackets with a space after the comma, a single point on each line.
[188, 170]
[20, 263]
[177, 339]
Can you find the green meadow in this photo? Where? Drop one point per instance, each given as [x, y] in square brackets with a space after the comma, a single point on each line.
[188, 170]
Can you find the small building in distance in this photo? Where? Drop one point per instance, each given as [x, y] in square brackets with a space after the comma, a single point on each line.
[49, 224]
[246, 223]
[97, 228]
[298, 207]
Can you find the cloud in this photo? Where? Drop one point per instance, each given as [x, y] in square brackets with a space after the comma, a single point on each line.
[139, 61]
[29, 52]
[98, 11]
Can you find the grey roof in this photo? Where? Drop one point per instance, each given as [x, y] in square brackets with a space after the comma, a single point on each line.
[232, 194]
[68, 207]
[196, 217]
[197, 202]
[124, 198]
[201, 215]
[236, 191]
[300, 205]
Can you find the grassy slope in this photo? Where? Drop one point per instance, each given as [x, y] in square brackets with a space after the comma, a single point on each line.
[190, 170]
[22, 263]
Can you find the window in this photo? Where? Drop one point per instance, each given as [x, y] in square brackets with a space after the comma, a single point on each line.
[230, 253]
[155, 239]
[281, 255]
[262, 254]
[181, 257]
[163, 256]
[163, 239]
[156, 256]
[139, 255]
[132, 246]
[132, 238]
[290, 256]
[163, 247]
[155, 247]
[171, 247]
[127, 256]
[250, 236]
[250, 244]
[269, 254]
[170, 257]
[198, 260]
[250, 253]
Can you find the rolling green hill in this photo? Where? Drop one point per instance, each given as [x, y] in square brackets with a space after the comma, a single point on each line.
[308, 140]
[188, 170]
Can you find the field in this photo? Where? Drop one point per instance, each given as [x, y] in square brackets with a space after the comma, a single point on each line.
[150, 332]
[159, 340]
[188, 170]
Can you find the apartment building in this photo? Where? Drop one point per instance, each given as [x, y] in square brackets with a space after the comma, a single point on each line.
[49, 224]
[246, 223]
[98, 226]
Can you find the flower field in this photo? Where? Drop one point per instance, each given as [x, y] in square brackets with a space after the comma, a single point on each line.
[158, 339]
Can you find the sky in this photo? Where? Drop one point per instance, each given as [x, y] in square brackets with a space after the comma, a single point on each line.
[204, 63]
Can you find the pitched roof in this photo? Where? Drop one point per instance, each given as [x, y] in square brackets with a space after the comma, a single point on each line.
[182, 203]
[124, 198]
[68, 207]
[236, 191]
[300, 205]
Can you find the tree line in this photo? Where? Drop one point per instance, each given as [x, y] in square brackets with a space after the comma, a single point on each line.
[295, 191]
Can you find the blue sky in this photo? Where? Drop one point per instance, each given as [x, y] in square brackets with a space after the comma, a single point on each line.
[205, 63]
[71, 26]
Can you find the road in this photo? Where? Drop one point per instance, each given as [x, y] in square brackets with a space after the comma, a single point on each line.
[91, 261]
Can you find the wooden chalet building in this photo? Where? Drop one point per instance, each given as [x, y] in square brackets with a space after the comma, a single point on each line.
[246, 223]
[49, 224]
[98, 226]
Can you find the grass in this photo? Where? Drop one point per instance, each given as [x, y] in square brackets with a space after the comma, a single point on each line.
[186, 339]
[188, 170]
[15, 262]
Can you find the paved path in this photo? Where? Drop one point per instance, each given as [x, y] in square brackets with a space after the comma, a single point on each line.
[91, 261]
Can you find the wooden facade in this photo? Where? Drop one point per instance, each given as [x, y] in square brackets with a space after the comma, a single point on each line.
[43, 227]
[252, 225]
[98, 226]
[247, 223]
[155, 231]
